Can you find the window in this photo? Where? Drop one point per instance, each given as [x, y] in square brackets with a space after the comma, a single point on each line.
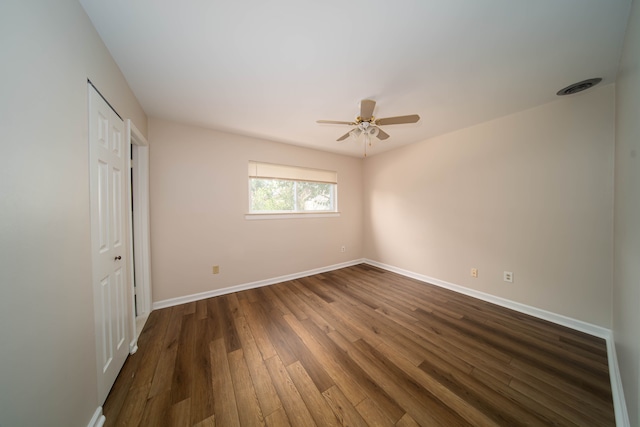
[278, 189]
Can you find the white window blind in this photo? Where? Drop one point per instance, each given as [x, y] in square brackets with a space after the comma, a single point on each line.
[292, 173]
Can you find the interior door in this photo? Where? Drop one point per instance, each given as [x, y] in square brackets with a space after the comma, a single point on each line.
[108, 177]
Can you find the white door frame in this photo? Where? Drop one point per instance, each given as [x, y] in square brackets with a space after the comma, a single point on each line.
[140, 258]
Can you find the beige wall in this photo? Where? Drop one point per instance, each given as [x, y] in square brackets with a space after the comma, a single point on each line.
[530, 193]
[47, 354]
[626, 289]
[199, 198]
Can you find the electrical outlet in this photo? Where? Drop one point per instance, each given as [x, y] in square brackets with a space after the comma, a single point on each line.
[474, 272]
[508, 276]
[343, 249]
[216, 269]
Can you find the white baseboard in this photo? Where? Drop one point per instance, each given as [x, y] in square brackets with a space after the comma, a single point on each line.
[619, 404]
[133, 346]
[243, 287]
[98, 419]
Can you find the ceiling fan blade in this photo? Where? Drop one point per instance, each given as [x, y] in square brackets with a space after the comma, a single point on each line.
[382, 135]
[343, 137]
[366, 109]
[413, 118]
[334, 122]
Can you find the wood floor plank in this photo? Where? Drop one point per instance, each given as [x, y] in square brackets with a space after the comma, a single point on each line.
[151, 341]
[294, 406]
[428, 392]
[180, 413]
[315, 285]
[164, 369]
[356, 374]
[272, 301]
[201, 309]
[234, 305]
[224, 398]
[502, 410]
[286, 296]
[372, 415]
[266, 393]
[257, 320]
[543, 380]
[225, 316]
[201, 393]
[427, 412]
[182, 372]
[250, 413]
[337, 371]
[131, 413]
[332, 317]
[129, 393]
[359, 346]
[308, 310]
[407, 421]
[156, 410]
[549, 347]
[399, 300]
[540, 410]
[342, 408]
[278, 418]
[302, 354]
[215, 326]
[432, 324]
[572, 413]
[317, 405]
[279, 336]
[190, 308]
[558, 366]
[209, 422]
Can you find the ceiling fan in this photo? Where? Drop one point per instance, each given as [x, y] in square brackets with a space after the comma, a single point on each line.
[367, 125]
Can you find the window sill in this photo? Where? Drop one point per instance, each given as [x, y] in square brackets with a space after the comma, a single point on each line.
[297, 215]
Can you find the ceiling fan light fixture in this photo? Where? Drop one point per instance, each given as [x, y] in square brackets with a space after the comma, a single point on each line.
[366, 124]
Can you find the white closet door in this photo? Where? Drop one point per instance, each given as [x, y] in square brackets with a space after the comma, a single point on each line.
[108, 177]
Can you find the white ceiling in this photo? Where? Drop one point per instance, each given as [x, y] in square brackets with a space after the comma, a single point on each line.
[270, 69]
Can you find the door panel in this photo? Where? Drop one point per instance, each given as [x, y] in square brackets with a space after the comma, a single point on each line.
[121, 309]
[105, 324]
[107, 163]
[103, 206]
[116, 203]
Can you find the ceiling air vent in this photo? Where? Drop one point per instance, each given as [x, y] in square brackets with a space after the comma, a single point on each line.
[579, 87]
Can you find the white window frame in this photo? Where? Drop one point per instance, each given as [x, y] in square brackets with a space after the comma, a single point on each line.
[260, 170]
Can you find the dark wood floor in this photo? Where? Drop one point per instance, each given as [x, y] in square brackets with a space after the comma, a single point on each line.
[359, 346]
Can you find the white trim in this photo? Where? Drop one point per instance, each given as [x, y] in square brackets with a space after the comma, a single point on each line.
[297, 215]
[619, 404]
[98, 419]
[130, 261]
[133, 346]
[139, 229]
[243, 287]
